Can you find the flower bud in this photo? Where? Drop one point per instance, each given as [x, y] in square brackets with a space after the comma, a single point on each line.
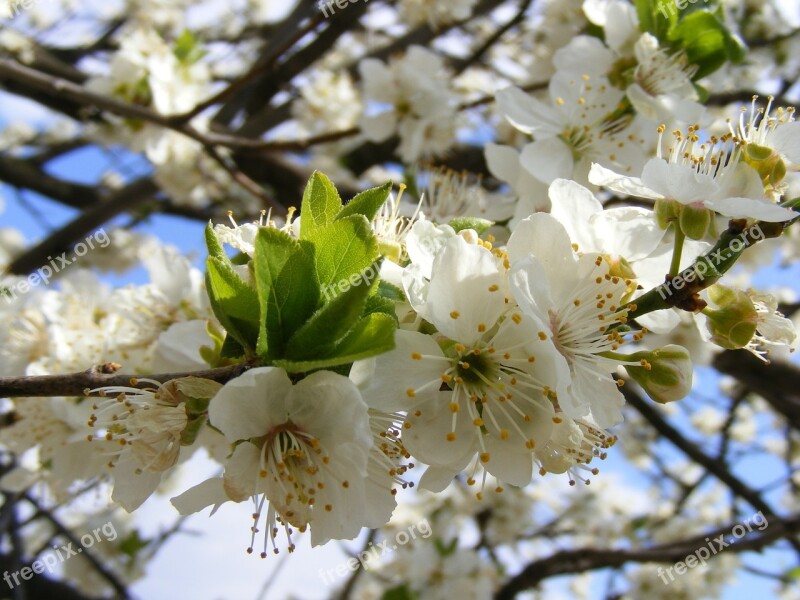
[767, 162]
[666, 212]
[734, 323]
[695, 221]
[665, 373]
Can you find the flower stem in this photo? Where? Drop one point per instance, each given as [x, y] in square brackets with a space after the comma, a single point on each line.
[706, 270]
[677, 251]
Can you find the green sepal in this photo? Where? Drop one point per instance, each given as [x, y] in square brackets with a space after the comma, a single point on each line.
[481, 226]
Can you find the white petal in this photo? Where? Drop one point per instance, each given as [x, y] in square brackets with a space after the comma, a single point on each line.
[525, 112]
[628, 231]
[395, 372]
[678, 182]
[547, 159]
[195, 499]
[251, 404]
[178, 348]
[514, 468]
[427, 441]
[459, 295]
[660, 321]
[503, 162]
[131, 485]
[241, 479]
[329, 406]
[751, 208]
[786, 140]
[630, 186]
[573, 205]
[542, 236]
[436, 479]
[378, 128]
[584, 54]
[529, 285]
[622, 25]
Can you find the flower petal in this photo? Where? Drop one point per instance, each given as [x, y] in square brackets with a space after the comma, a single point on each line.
[251, 404]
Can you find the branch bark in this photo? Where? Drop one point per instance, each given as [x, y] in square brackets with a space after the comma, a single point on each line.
[588, 559]
[75, 384]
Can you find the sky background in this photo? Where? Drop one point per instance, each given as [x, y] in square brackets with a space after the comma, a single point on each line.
[209, 561]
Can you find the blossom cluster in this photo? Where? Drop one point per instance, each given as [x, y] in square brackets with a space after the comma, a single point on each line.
[475, 341]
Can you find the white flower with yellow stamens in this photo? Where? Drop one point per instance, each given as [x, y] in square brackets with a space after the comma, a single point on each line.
[700, 175]
[777, 131]
[773, 331]
[662, 84]
[579, 128]
[148, 425]
[572, 447]
[485, 385]
[303, 448]
[573, 300]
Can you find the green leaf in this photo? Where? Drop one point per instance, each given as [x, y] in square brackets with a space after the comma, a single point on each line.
[372, 335]
[132, 544]
[401, 592]
[288, 291]
[657, 16]
[390, 291]
[644, 10]
[445, 550]
[235, 304]
[187, 48]
[345, 250]
[321, 204]
[702, 93]
[794, 573]
[330, 324]
[367, 203]
[378, 304]
[479, 225]
[231, 348]
[706, 41]
[213, 244]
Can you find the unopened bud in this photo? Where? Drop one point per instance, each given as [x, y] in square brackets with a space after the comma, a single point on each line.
[665, 373]
[695, 221]
[666, 212]
[733, 324]
[767, 162]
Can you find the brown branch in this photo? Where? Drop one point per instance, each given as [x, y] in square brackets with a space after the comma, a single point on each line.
[462, 65]
[75, 384]
[260, 68]
[588, 559]
[694, 452]
[30, 80]
[778, 382]
[125, 199]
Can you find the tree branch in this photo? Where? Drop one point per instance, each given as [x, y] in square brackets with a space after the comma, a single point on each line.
[75, 384]
[588, 559]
